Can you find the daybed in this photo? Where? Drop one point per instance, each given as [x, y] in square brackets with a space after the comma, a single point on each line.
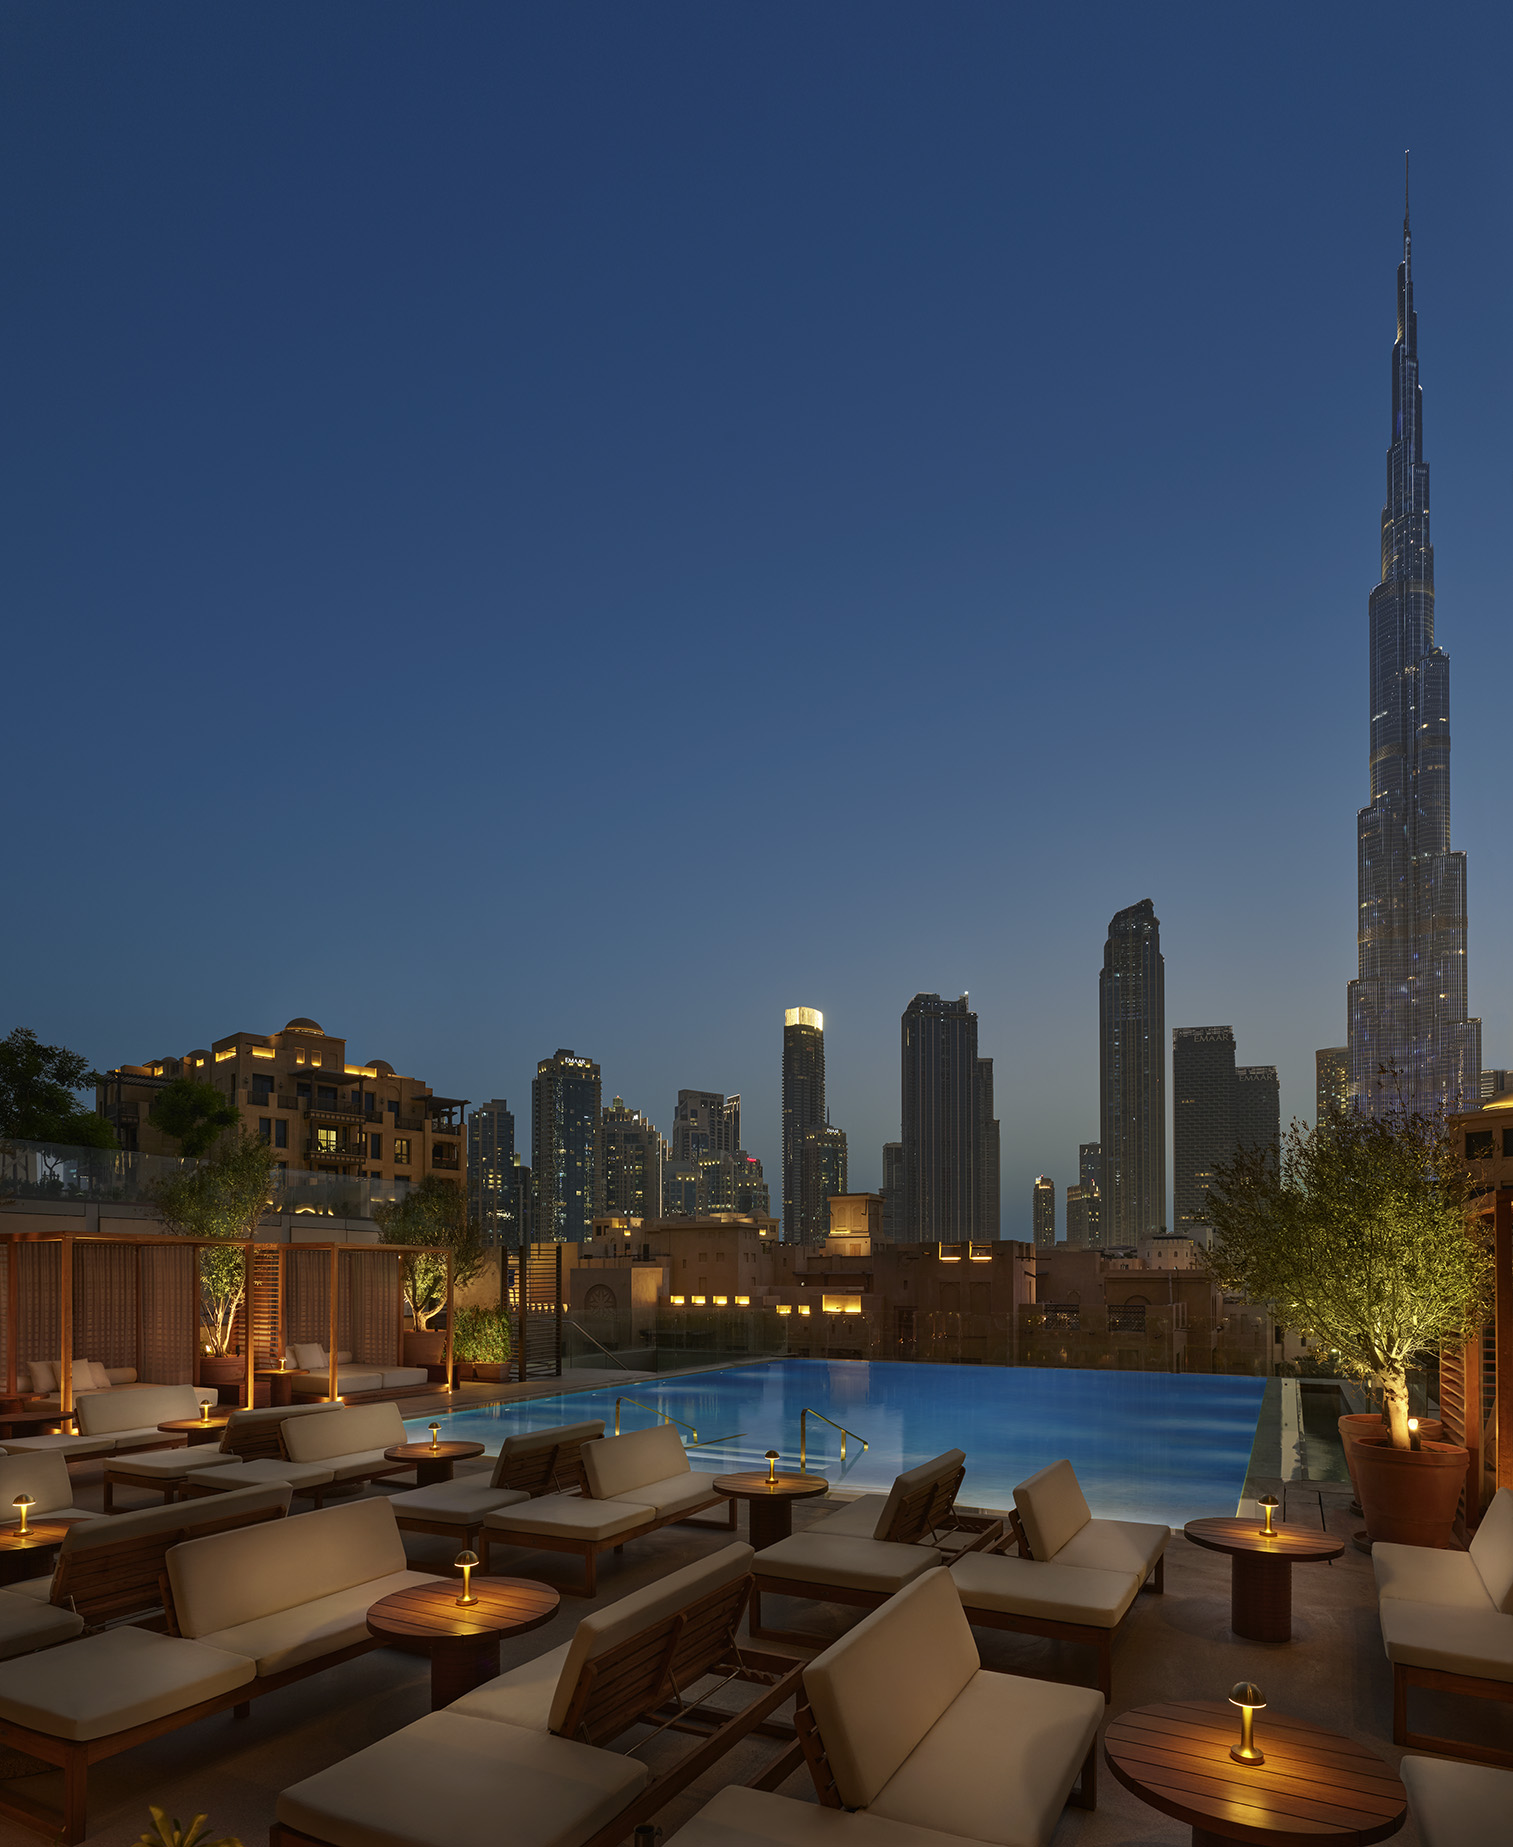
[1447, 1623]
[528, 1746]
[1458, 1805]
[901, 1720]
[125, 1419]
[40, 1379]
[541, 1462]
[354, 1379]
[633, 1484]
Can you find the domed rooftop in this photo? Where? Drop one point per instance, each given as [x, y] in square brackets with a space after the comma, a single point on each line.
[302, 1025]
[382, 1067]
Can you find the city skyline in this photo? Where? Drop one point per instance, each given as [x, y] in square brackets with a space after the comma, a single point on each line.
[442, 379]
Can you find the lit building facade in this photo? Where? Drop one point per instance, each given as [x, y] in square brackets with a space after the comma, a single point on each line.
[804, 1216]
[988, 1156]
[1132, 1077]
[565, 1130]
[939, 1107]
[493, 1172]
[631, 1152]
[1331, 1081]
[1090, 1205]
[1043, 1209]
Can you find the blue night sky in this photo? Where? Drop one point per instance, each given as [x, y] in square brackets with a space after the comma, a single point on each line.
[586, 525]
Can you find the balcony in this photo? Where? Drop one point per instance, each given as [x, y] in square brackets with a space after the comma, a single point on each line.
[446, 1159]
[409, 1125]
[333, 1112]
[343, 1154]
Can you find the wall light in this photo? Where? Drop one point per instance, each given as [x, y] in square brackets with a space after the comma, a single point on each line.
[803, 1308]
[722, 1301]
[743, 1301]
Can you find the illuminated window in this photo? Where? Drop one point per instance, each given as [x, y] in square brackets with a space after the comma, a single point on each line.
[677, 1300]
[803, 1308]
[722, 1301]
[785, 1308]
[315, 1058]
[221, 1057]
[261, 1051]
[699, 1301]
[299, 1058]
[325, 1140]
[841, 1304]
[743, 1301]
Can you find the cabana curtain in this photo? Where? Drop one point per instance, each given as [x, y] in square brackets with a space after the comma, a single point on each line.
[170, 1314]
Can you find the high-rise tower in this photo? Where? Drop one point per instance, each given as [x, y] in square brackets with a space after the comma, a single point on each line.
[803, 1111]
[941, 1111]
[565, 1130]
[1132, 1076]
[1410, 1038]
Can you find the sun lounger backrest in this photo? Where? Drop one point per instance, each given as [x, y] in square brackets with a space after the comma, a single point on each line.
[237, 1577]
[138, 1408]
[113, 1567]
[344, 1432]
[920, 1499]
[254, 1434]
[1491, 1549]
[879, 1689]
[625, 1660]
[545, 1461]
[615, 1465]
[1052, 1508]
[41, 1473]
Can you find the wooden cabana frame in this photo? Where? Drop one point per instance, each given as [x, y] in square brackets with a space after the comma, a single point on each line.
[263, 1307]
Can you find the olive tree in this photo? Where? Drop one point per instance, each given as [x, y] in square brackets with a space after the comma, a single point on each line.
[1361, 1238]
[220, 1200]
[433, 1212]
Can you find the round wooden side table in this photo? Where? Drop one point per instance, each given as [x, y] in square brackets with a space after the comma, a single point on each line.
[1260, 1573]
[463, 1643]
[16, 1548]
[1315, 1784]
[433, 1463]
[196, 1429]
[769, 1504]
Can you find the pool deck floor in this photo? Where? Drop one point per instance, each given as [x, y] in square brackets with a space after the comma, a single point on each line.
[1176, 1646]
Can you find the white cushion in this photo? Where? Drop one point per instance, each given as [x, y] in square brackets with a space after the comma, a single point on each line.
[999, 1764]
[568, 1516]
[851, 1519]
[43, 1475]
[1458, 1805]
[77, 1449]
[523, 1696]
[111, 1682]
[449, 1778]
[140, 1409]
[232, 1578]
[28, 1623]
[863, 1564]
[911, 1479]
[677, 1494]
[361, 1463]
[53, 1513]
[752, 1818]
[1056, 1593]
[344, 1431]
[175, 1518]
[167, 1464]
[1454, 1641]
[1052, 1508]
[146, 1436]
[311, 1355]
[44, 1375]
[37, 1590]
[318, 1626]
[879, 1689]
[396, 1377]
[1492, 1549]
[1115, 1545]
[235, 1473]
[1423, 1574]
[454, 1503]
[614, 1465]
[121, 1375]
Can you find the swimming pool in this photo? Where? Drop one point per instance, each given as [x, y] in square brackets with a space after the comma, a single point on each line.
[1146, 1445]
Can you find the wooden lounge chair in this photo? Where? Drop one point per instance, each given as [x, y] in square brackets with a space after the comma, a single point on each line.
[113, 1422]
[526, 1753]
[538, 1463]
[320, 1448]
[1054, 1524]
[901, 1721]
[1458, 1805]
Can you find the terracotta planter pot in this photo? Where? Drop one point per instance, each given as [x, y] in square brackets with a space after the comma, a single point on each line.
[1410, 1496]
[222, 1369]
[491, 1372]
[425, 1349]
[1369, 1424]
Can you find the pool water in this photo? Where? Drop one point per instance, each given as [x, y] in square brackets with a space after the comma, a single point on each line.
[1145, 1445]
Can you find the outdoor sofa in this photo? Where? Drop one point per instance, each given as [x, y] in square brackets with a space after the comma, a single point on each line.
[632, 1485]
[43, 1474]
[324, 1447]
[538, 1463]
[39, 1379]
[1447, 1623]
[124, 1419]
[526, 1753]
[253, 1450]
[1458, 1805]
[354, 1378]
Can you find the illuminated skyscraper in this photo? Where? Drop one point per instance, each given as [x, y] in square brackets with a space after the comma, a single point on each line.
[803, 1112]
[943, 1121]
[1218, 1109]
[1410, 1038]
[630, 1164]
[491, 1171]
[988, 1146]
[565, 1129]
[1043, 1207]
[1132, 1076]
[1331, 1080]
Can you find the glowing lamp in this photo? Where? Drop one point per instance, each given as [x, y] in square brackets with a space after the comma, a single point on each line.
[1268, 1504]
[772, 1465]
[435, 1428]
[465, 1562]
[1413, 1437]
[205, 1404]
[1250, 1700]
[23, 1502]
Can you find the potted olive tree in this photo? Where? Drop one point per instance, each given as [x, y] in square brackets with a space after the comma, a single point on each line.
[1361, 1238]
[434, 1212]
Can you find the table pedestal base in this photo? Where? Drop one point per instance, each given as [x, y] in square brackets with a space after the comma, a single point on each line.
[428, 1474]
[1260, 1603]
[768, 1521]
[459, 1666]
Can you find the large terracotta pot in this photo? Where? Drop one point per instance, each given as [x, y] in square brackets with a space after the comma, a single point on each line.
[1369, 1424]
[427, 1348]
[1410, 1496]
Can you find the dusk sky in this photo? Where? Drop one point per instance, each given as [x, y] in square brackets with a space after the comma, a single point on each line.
[586, 525]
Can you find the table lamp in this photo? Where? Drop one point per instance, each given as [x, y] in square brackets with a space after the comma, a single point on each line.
[1250, 1700]
[23, 1501]
[1268, 1504]
[434, 1429]
[205, 1404]
[465, 1562]
[772, 1465]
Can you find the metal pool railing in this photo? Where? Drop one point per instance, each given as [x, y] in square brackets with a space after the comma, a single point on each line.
[804, 1417]
[691, 1441]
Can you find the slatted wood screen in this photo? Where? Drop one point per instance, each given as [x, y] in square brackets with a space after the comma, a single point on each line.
[268, 1341]
[538, 1326]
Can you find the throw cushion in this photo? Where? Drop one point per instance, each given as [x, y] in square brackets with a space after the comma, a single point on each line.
[44, 1375]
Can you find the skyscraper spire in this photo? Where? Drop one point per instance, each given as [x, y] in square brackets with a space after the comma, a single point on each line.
[1410, 1038]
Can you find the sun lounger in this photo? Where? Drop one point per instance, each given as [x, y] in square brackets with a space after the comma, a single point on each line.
[538, 1463]
[1447, 1623]
[1055, 1525]
[634, 1484]
[1458, 1805]
[901, 1721]
[529, 1746]
[1069, 1603]
[739, 1817]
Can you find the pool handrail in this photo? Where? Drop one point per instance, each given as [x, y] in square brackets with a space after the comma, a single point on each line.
[804, 1415]
[657, 1411]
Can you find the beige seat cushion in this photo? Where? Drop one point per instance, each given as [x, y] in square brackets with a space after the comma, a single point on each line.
[455, 1503]
[395, 1378]
[166, 1464]
[603, 1630]
[739, 1817]
[318, 1627]
[1052, 1509]
[344, 1432]
[1115, 1545]
[35, 1590]
[140, 1408]
[55, 1513]
[74, 1449]
[862, 1564]
[43, 1475]
[1492, 1549]
[360, 1463]
[917, 1477]
[1055, 1593]
[1424, 1574]
[234, 1473]
[111, 1682]
[1000, 1763]
[1455, 1641]
[851, 1519]
[449, 1778]
[569, 1516]
[28, 1623]
[612, 1466]
[523, 1696]
[677, 1494]
[1459, 1805]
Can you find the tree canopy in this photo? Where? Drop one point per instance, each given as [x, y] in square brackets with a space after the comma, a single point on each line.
[1362, 1240]
[37, 1100]
[433, 1212]
[221, 1199]
[195, 1115]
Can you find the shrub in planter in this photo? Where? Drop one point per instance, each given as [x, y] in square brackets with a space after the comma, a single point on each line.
[481, 1342]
